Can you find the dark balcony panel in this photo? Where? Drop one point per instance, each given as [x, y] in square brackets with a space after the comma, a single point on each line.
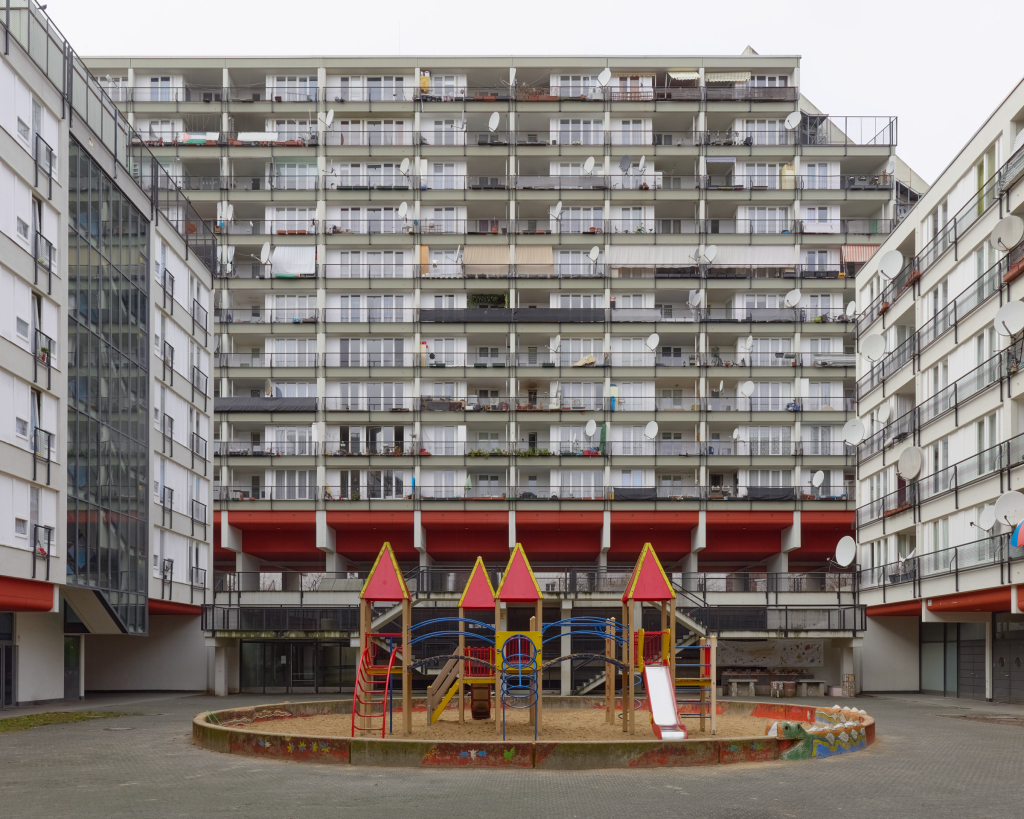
[560, 314]
[458, 315]
[263, 404]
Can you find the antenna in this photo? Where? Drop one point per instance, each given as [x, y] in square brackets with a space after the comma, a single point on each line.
[817, 479]
[329, 118]
[1007, 233]
[853, 431]
[595, 253]
[268, 387]
[883, 413]
[403, 209]
[652, 341]
[651, 430]
[604, 77]
[1010, 508]
[746, 389]
[404, 167]
[591, 428]
[792, 121]
[493, 122]
[846, 551]
[851, 309]
[710, 252]
[1009, 319]
[721, 386]
[873, 347]
[891, 264]
[749, 344]
[792, 298]
[588, 165]
[265, 253]
[910, 462]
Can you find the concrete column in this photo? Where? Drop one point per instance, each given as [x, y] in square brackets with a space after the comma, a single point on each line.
[336, 563]
[778, 563]
[419, 538]
[988, 655]
[845, 659]
[791, 540]
[220, 671]
[606, 537]
[565, 648]
[326, 537]
[249, 565]
[699, 534]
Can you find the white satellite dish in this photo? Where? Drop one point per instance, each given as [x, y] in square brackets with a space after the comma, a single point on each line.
[987, 519]
[329, 118]
[872, 347]
[710, 252]
[853, 431]
[556, 211]
[883, 413]
[792, 121]
[1010, 508]
[558, 342]
[910, 462]
[736, 434]
[1007, 233]
[746, 389]
[594, 254]
[652, 341]
[404, 167]
[625, 163]
[403, 209]
[604, 76]
[890, 166]
[721, 386]
[1009, 318]
[846, 550]
[891, 264]
[512, 76]
[458, 254]
[588, 165]
[492, 123]
[792, 298]
[268, 387]
[591, 428]
[640, 168]
[265, 253]
[651, 430]
[750, 344]
[697, 299]
[851, 309]
[818, 478]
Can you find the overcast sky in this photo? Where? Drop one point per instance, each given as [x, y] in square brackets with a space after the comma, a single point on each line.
[941, 67]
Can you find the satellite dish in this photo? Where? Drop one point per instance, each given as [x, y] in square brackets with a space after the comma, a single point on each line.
[987, 518]
[651, 430]
[458, 254]
[792, 298]
[652, 341]
[604, 77]
[883, 413]
[909, 465]
[403, 209]
[1010, 508]
[265, 253]
[588, 165]
[268, 387]
[1009, 318]
[698, 299]
[558, 342]
[851, 309]
[736, 434]
[873, 347]
[493, 122]
[890, 166]
[625, 163]
[853, 431]
[512, 76]
[595, 253]
[792, 121]
[591, 428]
[642, 166]
[746, 389]
[750, 343]
[818, 478]
[710, 252]
[404, 167]
[1007, 233]
[329, 118]
[891, 264]
[846, 550]
[721, 386]
[556, 212]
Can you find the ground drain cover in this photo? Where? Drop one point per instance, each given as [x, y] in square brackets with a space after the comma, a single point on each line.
[118, 729]
[993, 719]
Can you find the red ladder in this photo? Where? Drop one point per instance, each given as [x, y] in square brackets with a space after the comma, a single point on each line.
[373, 686]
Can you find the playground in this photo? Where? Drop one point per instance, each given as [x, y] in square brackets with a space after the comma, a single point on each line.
[485, 703]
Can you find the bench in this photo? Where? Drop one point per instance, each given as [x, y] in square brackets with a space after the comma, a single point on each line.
[818, 684]
[734, 687]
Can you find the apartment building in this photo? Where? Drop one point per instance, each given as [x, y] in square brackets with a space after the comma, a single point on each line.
[578, 303]
[942, 414]
[105, 483]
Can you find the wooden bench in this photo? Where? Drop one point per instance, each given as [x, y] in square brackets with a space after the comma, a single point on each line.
[819, 685]
[734, 687]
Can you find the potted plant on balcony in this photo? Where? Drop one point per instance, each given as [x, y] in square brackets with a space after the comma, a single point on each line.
[883, 307]
[44, 354]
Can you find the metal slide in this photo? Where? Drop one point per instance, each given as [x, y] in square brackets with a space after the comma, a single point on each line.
[661, 693]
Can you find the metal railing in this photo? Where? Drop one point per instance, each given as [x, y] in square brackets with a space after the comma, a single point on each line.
[369, 315]
[993, 550]
[985, 375]
[42, 156]
[375, 359]
[198, 445]
[767, 583]
[889, 435]
[42, 548]
[43, 452]
[283, 619]
[198, 511]
[255, 360]
[42, 355]
[782, 618]
[200, 381]
[269, 493]
[266, 227]
[888, 366]
[45, 260]
[260, 315]
[337, 403]
[265, 449]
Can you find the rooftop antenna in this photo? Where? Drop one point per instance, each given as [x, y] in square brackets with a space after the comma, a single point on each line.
[891, 264]
[792, 121]
[1007, 233]
[1009, 319]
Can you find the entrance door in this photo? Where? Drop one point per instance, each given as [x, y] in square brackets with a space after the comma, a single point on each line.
[1008, 658]
[6, 675]
[971, 661]
[329, 668]
[303, 668]
[72, 667]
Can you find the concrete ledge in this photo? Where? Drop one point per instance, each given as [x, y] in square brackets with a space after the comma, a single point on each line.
[219, 731]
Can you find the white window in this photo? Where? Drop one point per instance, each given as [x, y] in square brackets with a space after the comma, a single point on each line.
[816, 176]
[23, 130]
[767, 220]
[21, 427]
[940, 534]
[762, 175]
[21, 527]
[22, 328]
[765, 132]
[23, 229]
[767, 81]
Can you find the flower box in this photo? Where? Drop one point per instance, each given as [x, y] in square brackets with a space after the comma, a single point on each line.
[883, 307]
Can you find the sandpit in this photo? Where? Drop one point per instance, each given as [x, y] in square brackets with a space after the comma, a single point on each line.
[558, 724]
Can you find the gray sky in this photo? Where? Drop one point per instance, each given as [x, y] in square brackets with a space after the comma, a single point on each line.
[941, 67]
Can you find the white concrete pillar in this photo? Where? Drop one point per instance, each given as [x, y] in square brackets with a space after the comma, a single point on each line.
[988, 654]
[512, 529]
[606, 537]
[565, 648]
[220, 671]
[699, 535]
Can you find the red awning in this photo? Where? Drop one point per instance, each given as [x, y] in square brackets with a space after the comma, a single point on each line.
[858, 254]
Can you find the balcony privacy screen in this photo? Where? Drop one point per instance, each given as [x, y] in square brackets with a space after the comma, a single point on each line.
[294, 261]
[487, 261]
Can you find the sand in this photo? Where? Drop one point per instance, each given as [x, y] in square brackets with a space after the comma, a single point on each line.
[558, 724]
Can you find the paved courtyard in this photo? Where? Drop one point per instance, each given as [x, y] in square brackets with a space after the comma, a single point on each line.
[928, 762]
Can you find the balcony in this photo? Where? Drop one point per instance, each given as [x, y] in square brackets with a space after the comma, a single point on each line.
[369, 315]
[167, 357]
[200, 318]
[45, 261]
[198, 445]
[260, 315]
[265, 404]
[42, 550]
[395, 403]
[198, 515]
[42, 156]
[43, 453]
[42, 356]
[266, 360]
[987, 552]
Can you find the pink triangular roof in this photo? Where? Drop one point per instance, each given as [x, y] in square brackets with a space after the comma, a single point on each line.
[648, 583]
[518, 584]
[384, 583]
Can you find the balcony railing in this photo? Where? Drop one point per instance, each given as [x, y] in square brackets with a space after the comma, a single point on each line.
[888, 366]
[200, 380]
[42, 155]
[353, 137]
[250, 360]
[200, 317]
[278, 227]
[198, 511]
[337, 403]
[198, 445]
[369, 315]
[42, 548]
[42, 356]
[470, 404]
[45, 261]
[767, 583]
[893, 433]
[378, 359]
[994, 550]
[950, 233]
[280, 493]
[259, 315]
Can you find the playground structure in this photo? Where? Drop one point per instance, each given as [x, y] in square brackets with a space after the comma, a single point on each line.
[503, 669]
